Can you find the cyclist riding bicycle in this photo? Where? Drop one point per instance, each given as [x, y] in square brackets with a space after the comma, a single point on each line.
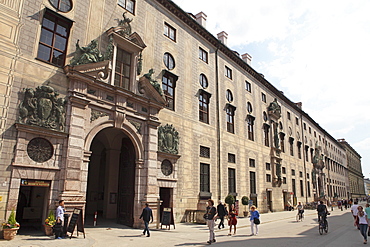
[300, 209]
[322, 211]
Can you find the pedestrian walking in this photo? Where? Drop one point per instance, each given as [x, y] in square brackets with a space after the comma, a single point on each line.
[211, 217]
[255, 220]
[367, 210]
[146, 215]
[363, 222]
[221, 212]
[59, 215]
[354, 211]
[232, 218]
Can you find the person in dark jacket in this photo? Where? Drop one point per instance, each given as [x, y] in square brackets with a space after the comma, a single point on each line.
[222, 212]
[146, 215]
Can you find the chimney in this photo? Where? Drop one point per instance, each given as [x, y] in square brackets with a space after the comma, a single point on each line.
[299, 104]
[201, 18]
[222, 37]
[247, 58]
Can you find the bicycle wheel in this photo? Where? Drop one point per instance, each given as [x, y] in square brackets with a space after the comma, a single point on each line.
[321, 230]
[302, 217]
[297, 217]
[326, 227]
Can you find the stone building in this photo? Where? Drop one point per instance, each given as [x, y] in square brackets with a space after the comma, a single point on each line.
[356, 178]
[111, 104]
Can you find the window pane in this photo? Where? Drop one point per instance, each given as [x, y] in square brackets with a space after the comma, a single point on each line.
[58, 58]
[60, 43]
[44, 52]
[130, 6]
[65, 5]
[48, 22]
[46, 37]
[62, 29]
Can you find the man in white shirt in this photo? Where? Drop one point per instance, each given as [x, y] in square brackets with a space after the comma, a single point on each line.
[354, 212]
[58, 228]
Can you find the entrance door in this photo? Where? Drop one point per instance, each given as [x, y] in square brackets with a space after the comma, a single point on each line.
[32, 204]
[126, 186]
[165, 197]
[269, 200]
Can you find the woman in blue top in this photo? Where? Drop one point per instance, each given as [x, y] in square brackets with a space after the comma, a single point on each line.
[254, 215]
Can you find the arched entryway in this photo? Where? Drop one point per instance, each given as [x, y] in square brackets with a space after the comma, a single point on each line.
[111, 177]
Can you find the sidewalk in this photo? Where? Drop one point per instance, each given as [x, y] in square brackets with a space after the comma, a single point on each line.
[112, 234]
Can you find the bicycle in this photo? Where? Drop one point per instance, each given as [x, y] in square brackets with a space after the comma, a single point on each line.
[299, 216]
[323, 225]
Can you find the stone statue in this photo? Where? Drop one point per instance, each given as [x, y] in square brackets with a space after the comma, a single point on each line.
[42, 107]
[168, 139]
[278, 170]
[140, 64]
[88, 54]
[125, 25]
[274, 108]
[154, 83]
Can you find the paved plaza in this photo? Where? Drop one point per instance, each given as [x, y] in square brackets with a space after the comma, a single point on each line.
[276, 229]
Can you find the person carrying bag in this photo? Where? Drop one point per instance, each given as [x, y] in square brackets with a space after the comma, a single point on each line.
[255, 220]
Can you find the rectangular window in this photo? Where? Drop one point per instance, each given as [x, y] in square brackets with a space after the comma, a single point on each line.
[263, 97]
[301, 187]
[301, 174]
[283, 170]
[204, 178]
[304, 126]
[308, 176]
[299, 144]
[231, 158]
[284, 180]
[297, 121]
[252, 163]
[268, 166]
[266, 135]
[288, 115]
[123, 69]
[203, 55]
[250, 123]
[169, 32]
[293, 172]
[205, 152]
[294, 188]
[252, 182]
[309, 130]
[168, 86]
[53, 39]
[228, 72]
[232, 180]
[128, 5]
[308, 189]
[204, 107]
[268, 178]
[230, 119]
[291, 140]
[248, 86]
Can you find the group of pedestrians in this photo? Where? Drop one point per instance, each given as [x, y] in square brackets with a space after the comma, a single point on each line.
[213, 213]
[361, 219]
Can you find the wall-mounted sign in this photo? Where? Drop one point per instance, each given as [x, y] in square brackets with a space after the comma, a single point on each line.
[38, 183]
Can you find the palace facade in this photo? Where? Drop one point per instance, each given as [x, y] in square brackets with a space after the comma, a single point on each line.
[111, 104]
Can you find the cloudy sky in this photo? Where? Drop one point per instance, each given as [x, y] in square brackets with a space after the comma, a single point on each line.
[317, 52]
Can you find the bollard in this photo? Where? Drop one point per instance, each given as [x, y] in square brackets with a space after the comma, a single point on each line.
[95, 217]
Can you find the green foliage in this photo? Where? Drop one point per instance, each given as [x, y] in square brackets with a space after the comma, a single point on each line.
[12, 223]
[245, 200]
[230, 199]
[50, 220]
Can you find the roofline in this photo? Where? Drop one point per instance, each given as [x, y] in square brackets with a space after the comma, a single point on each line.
[193, 24]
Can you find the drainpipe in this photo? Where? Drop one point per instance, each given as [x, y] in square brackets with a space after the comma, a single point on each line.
[304, 160]
[218, 127]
